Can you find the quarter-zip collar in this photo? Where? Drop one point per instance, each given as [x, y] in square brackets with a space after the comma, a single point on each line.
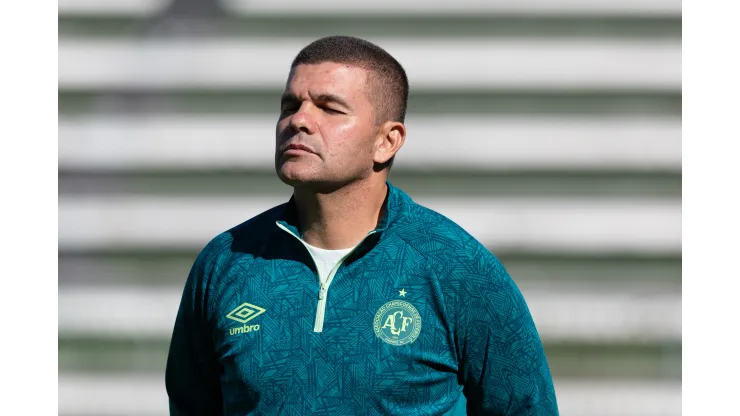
[393, 208]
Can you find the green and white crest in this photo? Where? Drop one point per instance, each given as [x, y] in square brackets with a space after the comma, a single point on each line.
[397, 323]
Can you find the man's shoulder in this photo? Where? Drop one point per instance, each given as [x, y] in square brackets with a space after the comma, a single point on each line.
[245, 237]
[460, 262]
[258, 225]
[438, 237]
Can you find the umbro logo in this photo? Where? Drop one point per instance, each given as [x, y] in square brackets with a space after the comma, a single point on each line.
[243, 314]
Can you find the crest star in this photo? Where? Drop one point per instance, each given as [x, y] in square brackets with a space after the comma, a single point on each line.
[402, 292]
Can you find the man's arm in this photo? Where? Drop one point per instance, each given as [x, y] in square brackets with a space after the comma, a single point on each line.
[503, 367]
[192, 375]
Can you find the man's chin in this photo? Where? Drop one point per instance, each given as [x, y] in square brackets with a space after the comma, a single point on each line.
[294, 182]
[312, 183]
[293, 178]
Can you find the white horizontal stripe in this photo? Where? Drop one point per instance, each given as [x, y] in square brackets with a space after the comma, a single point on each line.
[618, 398]
[474, 7]
[390, 7]
[559, 315]
[587, 225]
[430, 63]
[112, 7]
[112, 395]
[605, 317]
[83, 395]
[486, 143]
[118, 312]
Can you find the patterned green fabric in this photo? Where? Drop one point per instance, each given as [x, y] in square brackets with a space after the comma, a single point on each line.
[417, 316]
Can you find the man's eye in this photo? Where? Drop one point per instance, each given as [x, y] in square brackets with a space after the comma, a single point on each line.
[331, 110]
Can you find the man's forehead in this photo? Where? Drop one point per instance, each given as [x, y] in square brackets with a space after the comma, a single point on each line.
[326, 75]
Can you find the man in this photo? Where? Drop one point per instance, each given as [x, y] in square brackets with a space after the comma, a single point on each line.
[350, 298]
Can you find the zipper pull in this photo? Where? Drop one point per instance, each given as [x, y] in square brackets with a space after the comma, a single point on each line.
[322, 292]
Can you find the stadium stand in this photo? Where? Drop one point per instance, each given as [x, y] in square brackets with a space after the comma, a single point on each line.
[565, 123]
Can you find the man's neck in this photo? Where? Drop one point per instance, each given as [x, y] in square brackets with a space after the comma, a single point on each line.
[340, 219]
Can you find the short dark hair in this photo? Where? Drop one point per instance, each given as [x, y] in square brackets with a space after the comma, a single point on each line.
[388, 79]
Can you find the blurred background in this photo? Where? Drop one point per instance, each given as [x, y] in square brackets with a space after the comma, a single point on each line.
[549, 129]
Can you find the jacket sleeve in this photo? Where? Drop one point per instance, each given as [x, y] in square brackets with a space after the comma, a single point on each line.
[192, 374]
[503, 368]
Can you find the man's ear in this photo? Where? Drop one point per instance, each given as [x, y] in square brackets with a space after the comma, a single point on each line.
[390, 138]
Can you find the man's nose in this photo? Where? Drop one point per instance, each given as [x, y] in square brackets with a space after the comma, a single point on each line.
[302, 121]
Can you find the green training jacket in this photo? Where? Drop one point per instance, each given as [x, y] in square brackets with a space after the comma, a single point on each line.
[420, 319]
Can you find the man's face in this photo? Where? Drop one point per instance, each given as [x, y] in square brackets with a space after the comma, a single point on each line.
[325, 132]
